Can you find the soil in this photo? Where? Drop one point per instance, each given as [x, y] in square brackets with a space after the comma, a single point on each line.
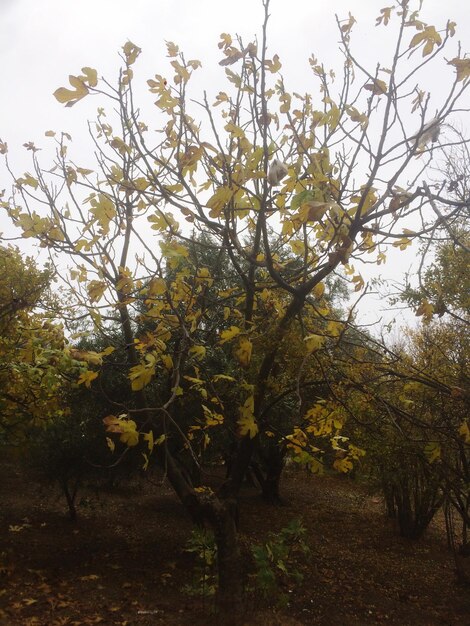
[123, 561]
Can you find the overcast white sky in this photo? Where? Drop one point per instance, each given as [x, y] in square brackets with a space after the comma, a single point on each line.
[42, 41]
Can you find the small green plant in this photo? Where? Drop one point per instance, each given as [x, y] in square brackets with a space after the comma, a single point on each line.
[277, 561]
[204, 581]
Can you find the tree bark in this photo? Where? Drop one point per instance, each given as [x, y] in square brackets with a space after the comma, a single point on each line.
[70, 497]
[271, 485]
[223, 518]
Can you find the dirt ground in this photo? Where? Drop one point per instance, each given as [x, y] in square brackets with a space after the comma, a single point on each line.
[123, 562]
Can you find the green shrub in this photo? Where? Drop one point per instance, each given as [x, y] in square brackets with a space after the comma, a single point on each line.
[277, 561]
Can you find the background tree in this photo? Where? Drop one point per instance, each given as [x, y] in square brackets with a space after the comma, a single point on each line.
[31, 347]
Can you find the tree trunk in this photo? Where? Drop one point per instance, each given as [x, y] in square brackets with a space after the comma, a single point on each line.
[273, 465]
[230, 570]
[220, 513]
[271, 491]
[70, 497]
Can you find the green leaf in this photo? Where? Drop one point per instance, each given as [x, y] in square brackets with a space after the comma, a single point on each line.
[300, 198]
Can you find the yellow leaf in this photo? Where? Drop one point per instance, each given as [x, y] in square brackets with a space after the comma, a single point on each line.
[199, 352]
[140, 376]
[70, 97]
[95, 289]
[27, 180]
[90, 76]
[247, 423]
[86, 378]
[127, 76]
[429, 36]
[211, 417]
[230, 333]
[221, 97]
[285, 98]
[217, 202]
[234, 130]
[378, 87]
[167, 362]
[125, 283]
[103, 211]
[13, 528]
[141, 183]
[464, 431]
[319, 290]
[384, 17]
[148, 437]
[243, 352]
[89, 356]
[225, 41]
[462, 67]
[313, 211]
[172, 49]
[129, 435]
[110, 443]
[343, 465]
[218, 377]
[355, 452]
[232, 56]
[314, 342]
[432, 450]
[83, 171]
[194, 63]
[426, 310]
[131, 52]
[118, 144]
[166, 102]
[112, 423]
[355, 116]
[156, 287]
[381, 258]
[358, 282]
[402, 243]
[335, 328]
[182, 75]
[203, 277]
[274, 65]
[173, 251]
[297, 246]
[297, 440]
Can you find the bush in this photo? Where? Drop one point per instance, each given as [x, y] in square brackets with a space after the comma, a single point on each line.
[277, 561]
[204, 582]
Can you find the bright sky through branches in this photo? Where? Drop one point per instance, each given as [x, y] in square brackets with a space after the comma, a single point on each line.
[41, 43]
